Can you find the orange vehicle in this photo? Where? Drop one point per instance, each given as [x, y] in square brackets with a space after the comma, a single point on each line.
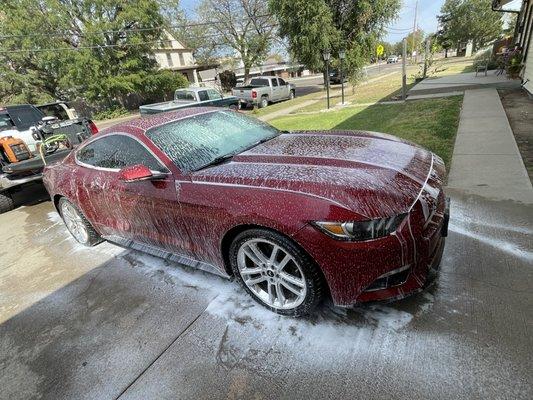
[13, 150]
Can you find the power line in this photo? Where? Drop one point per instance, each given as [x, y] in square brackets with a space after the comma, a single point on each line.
[125, 30]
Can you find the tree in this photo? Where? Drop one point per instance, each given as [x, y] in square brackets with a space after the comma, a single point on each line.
[228, 80]
[415, 42]
[313, 26]
[465, 20]
[243, 26]
[96, 49]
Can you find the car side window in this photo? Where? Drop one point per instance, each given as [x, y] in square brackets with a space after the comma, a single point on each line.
[202, 95]
[274, 82]
[184, 95]
[116, 152]
[282, 82]
[213, 94]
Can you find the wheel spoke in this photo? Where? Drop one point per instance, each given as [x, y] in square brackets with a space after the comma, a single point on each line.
[255, 281]
[251, 271]
[279, 293]
[252, 257]
[290, 287]
[270, 293]
[283, 263]
[274, 253]
[258, 253]
[291, 279]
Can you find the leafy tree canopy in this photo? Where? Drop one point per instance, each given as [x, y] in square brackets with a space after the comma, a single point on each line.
[311, 26]
[464, 20]
[100, 50]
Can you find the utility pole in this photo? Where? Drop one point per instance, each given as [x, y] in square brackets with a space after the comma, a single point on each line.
[404, 73]
[414, 31]
[426, 57]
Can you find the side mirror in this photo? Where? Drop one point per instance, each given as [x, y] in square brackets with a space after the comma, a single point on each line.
[138, 172]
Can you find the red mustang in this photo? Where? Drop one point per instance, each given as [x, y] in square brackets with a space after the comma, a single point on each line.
[294, 217]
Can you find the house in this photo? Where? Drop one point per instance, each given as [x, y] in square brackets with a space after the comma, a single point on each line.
[523, 35]
[173, 55]
[272, 66]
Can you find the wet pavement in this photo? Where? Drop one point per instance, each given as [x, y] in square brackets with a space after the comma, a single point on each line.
[108, 323]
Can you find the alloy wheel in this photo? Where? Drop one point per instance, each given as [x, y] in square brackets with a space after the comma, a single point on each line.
[74, 222]
[272, 274]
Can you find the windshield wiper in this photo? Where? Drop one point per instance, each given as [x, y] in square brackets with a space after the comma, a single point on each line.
[217, 160]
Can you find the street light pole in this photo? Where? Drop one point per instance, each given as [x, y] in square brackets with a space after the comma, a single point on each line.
[327, 56]
[342, 55]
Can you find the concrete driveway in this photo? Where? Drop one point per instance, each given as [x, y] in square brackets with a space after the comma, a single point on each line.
[108, 323]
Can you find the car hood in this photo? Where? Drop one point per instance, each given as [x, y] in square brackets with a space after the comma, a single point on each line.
[372, 174]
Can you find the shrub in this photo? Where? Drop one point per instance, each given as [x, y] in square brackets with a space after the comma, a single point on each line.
[228, 80]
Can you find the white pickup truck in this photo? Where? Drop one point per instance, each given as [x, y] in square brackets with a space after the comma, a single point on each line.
[263, 90]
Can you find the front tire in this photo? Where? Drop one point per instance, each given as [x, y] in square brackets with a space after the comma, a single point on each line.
[291, 95]
[78, 226]
[6, 202]
[276, 272]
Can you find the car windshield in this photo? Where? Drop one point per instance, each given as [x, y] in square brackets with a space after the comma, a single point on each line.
[195, 142]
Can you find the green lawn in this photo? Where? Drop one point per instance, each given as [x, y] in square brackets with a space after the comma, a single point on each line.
[430, 123]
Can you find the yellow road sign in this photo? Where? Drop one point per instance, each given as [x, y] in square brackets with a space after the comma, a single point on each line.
[379, 49]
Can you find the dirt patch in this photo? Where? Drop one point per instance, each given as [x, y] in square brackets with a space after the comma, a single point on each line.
[519, 109]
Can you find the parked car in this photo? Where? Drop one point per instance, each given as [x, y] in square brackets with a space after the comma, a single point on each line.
[359, 216]
[263, 90]
[58, 109]
[23, 129]
[392, 59]
[192, 97]
[335, 77]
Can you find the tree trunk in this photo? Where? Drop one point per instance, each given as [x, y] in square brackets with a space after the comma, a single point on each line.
[246, 73]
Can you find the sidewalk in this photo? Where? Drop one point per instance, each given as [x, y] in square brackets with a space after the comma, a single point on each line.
[461, 82]
[486, 160]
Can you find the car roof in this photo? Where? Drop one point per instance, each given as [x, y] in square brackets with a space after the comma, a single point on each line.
[195, 88]
[146, 122]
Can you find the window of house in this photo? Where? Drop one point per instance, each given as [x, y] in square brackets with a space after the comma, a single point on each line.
[169, 60]
[116, 152]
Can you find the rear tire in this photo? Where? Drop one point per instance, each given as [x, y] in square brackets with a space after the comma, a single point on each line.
[6, 202]
[78, 226]
[263, 103]
[276, 272]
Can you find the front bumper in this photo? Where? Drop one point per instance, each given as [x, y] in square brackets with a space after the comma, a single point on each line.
[387, 268]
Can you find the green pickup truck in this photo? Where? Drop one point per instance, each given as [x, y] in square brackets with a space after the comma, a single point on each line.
[192, 97]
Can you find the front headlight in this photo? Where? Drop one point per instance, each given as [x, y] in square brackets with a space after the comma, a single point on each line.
[361, 230]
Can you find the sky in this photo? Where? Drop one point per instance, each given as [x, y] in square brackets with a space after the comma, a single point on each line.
[427, 16]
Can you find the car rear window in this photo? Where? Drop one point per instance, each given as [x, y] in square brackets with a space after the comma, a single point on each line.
[259, 82]
[54, 110]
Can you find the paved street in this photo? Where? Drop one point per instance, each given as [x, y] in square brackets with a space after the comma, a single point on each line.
[111, 323]
[307, 85]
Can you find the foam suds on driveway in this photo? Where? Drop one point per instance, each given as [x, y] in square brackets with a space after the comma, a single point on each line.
[129, 324]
